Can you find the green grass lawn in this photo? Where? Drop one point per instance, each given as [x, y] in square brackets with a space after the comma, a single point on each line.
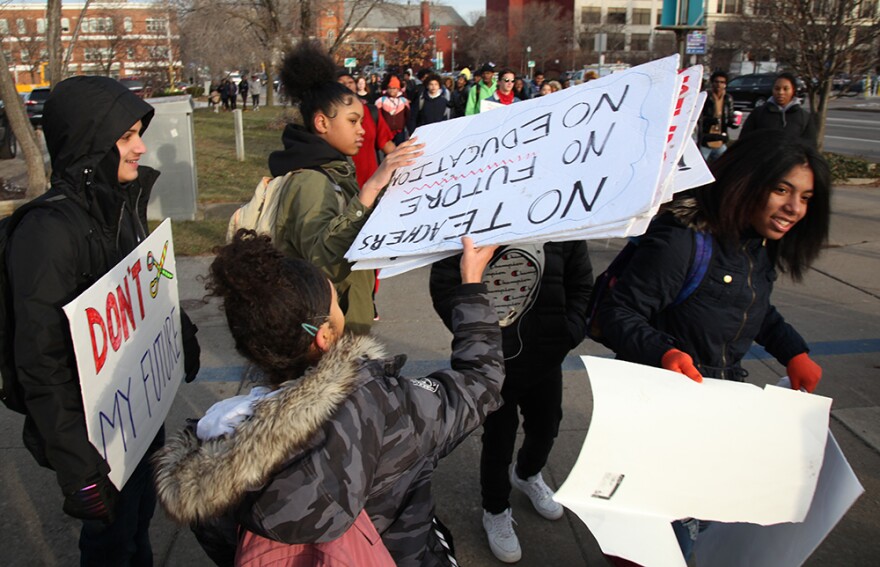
[222, 178]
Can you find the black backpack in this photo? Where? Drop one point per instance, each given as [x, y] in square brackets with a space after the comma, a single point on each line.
[10, 391]
[606, 281]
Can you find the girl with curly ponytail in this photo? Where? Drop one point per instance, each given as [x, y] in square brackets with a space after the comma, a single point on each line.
[323, 208]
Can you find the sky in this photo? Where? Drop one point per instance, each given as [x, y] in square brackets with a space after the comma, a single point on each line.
[465, 7]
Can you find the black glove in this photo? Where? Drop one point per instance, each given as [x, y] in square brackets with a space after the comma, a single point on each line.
[93, 502]
[191, 350]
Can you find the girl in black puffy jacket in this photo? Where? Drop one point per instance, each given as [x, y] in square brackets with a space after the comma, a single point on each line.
[768, 210]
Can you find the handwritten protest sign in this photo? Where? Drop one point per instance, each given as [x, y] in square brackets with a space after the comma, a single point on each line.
[644, 464]
[585, 162]
[129, 351]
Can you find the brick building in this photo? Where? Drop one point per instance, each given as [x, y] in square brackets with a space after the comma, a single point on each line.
[115, 38]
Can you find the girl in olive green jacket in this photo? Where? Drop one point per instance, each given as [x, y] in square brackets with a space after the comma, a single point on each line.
[322, 209]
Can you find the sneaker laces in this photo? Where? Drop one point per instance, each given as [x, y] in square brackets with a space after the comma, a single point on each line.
[502, 524]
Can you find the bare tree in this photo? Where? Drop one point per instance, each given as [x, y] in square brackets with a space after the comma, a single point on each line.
[541, 22]
[53, 42]
[819, 39]
[485, 41]
[21, 126]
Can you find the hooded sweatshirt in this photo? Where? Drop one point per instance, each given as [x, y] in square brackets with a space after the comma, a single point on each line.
[792, 118]
[319, 217]
[53, 257]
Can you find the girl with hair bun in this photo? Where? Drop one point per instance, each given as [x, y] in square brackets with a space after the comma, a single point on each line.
[334, 455]
[322, 208]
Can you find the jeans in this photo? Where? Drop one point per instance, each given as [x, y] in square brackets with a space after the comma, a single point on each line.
[126, 541]
[711, 154]
[538, 394]
[686, 532]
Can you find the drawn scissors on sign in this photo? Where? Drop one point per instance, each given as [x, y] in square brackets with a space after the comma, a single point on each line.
[160, 270]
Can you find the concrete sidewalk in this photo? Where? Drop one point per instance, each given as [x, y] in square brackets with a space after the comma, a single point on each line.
[837, 309]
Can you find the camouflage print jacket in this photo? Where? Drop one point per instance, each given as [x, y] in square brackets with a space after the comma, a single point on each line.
[350, 434]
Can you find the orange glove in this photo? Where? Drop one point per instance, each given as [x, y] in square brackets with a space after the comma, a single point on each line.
[681, 362]
[804, 373]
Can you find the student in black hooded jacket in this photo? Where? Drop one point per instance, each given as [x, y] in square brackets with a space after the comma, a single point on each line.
[93, 128]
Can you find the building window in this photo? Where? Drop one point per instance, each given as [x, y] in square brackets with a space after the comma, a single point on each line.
[41, 25]
[591, 15]
[4, 26]
[729, 6]
[158, 52]
[25, 55]
[98, 25]
[156, 25]
[129, 53]
[659, 18]
[98, 53]
[21, 26]
[640, 42]
[616, 16]
[641, 17]
[616, 41]
[126, 25]
[65, 25]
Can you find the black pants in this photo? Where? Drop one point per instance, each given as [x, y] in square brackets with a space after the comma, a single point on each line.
[125, 542]
[538, 394]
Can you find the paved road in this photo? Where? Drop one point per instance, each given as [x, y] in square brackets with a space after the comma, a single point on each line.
[855, 133]
[837, 309]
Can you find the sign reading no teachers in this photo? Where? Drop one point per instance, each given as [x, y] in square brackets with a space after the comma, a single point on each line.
[585, 162]
[129, 351]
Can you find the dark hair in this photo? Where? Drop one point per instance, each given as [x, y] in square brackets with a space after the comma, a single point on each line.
[309, 78]
[432, 77]
[343, 73]
[744, 177]
[507, 71]
[267, 297]
[717, 74]
[788, 77]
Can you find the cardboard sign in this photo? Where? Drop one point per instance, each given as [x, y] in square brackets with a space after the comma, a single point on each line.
[590, 161]
[662, 447]
[129, 351]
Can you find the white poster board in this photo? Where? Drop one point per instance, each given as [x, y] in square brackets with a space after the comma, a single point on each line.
[566, 165]
[661, 447]
[129, 351]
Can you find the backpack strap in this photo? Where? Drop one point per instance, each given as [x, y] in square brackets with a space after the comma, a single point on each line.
[698, 268]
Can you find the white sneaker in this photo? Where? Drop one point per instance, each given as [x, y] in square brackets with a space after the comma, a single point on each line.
[502, 539]
[539, 493]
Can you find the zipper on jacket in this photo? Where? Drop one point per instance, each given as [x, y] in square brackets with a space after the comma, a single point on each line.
[88, 176]
[745, 317]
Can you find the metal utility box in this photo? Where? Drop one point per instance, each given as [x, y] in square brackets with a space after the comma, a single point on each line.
[170, 141]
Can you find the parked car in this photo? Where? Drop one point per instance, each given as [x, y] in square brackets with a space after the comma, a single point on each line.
[34, 105]
[751, 91]
[847, 85]
[138, 86]
[8, 147]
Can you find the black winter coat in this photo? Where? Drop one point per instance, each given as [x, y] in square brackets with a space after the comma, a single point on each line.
[56, 253]
[556, 321]
[793, 120]
[717, 324]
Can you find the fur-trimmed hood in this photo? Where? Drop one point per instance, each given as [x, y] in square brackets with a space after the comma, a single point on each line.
[196, 480]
